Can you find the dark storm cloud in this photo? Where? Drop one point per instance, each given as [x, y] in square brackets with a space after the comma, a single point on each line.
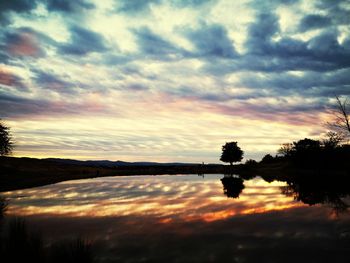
[297, 114]
[83, 41]
[4, 56]
[271, 64]
[321, 53]
[49, 80]
[225, 96]
[135, 6]
[279, 2]
[141, 6]
[209, 41]
[322, 64]
[23, 42]
[137, 87]
[68, 5]
[14, 6]
[262, 29]
[14, 106]
[268, 5]
[11, 80]
[324, 61]
[191, 3]
[324, 47]
[338, 10]
[10, 7]
[309, 84]
[314, 22]
[154, 45]
[136, 72]
[196, 94]
[109, 59]
[17, 5]
[260, 35]
[212, 40]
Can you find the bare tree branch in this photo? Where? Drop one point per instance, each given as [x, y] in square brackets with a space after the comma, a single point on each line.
[341, 122]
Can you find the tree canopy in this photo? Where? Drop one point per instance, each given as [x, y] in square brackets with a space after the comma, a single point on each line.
[6, 144]
[231, 153]
[308, 153]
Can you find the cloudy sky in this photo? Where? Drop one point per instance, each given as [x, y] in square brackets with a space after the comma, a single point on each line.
[169, 80]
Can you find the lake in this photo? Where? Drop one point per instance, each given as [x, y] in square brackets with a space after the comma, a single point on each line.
[190, 218]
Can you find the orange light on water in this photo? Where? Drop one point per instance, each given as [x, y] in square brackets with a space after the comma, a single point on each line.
[169, 200]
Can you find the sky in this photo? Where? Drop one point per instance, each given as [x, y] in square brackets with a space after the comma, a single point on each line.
[169, 80]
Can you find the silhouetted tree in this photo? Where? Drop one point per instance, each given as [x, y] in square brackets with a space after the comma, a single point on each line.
[341, 122]
[306, 145]
[267, 158]
[6, 144]
[231, 153]
[286, 150]
[326, 154]
[306, 152]
[332, 141]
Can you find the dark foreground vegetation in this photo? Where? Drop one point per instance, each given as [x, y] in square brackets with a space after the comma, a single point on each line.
[308, 156]
[19, 244]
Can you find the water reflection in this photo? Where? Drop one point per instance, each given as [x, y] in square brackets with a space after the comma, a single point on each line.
[233, 185]
[190, 218]
[321, 189]
[165, 197]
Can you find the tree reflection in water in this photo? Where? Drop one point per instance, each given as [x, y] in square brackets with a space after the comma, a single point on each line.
[315, 189]
[233, 185]
[295, 233]
[311, 189]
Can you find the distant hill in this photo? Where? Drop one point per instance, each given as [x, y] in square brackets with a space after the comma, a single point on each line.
[106, 163]
[24, 172]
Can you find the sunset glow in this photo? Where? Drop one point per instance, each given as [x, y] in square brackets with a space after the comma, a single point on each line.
[167, 81]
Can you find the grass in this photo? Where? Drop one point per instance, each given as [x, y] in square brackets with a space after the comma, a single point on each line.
[18, 244]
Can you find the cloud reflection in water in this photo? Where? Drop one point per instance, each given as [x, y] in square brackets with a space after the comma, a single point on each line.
[166, 197]
[185, 219]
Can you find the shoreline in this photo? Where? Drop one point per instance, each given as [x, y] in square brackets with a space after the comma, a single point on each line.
[22, 173]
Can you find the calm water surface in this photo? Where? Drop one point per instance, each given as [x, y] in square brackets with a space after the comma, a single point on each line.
[188, 218]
